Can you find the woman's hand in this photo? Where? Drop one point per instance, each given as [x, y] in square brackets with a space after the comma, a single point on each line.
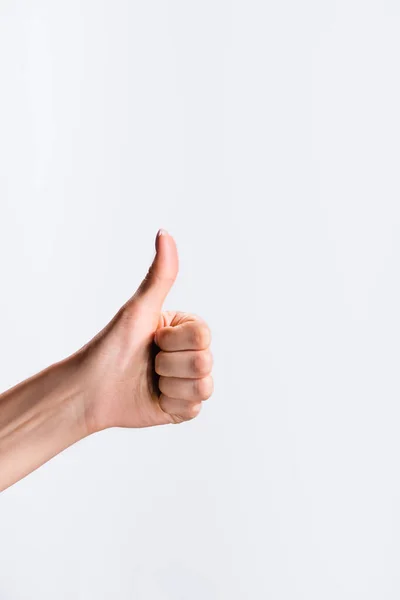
[147, 367]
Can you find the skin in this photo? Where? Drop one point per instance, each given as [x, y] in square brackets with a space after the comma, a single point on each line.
[145, 368]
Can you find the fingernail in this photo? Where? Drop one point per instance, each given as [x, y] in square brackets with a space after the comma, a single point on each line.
[162, 232]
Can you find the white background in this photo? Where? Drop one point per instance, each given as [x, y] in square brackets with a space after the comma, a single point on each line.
[265, 136]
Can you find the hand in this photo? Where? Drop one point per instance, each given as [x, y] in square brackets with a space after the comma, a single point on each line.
[147, 367]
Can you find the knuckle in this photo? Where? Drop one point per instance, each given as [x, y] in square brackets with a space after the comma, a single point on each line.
[193, 411]
[201, 363]
[201, 335]
[203, 388]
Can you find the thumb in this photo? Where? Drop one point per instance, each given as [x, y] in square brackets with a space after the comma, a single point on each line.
[161, 275]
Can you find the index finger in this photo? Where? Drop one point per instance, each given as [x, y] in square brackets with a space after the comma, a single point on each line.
[192, 335]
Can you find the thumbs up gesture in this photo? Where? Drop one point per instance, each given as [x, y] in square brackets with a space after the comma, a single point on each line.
[147, 367]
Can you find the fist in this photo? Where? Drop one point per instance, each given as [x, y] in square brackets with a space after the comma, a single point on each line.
[147, 367]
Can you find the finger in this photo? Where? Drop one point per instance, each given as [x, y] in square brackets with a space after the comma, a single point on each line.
[178, 409]
[161, 275]
[187, 389]
[185, 363]
[191, 335]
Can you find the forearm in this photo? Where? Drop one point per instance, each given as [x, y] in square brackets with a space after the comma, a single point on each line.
[39, 418]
